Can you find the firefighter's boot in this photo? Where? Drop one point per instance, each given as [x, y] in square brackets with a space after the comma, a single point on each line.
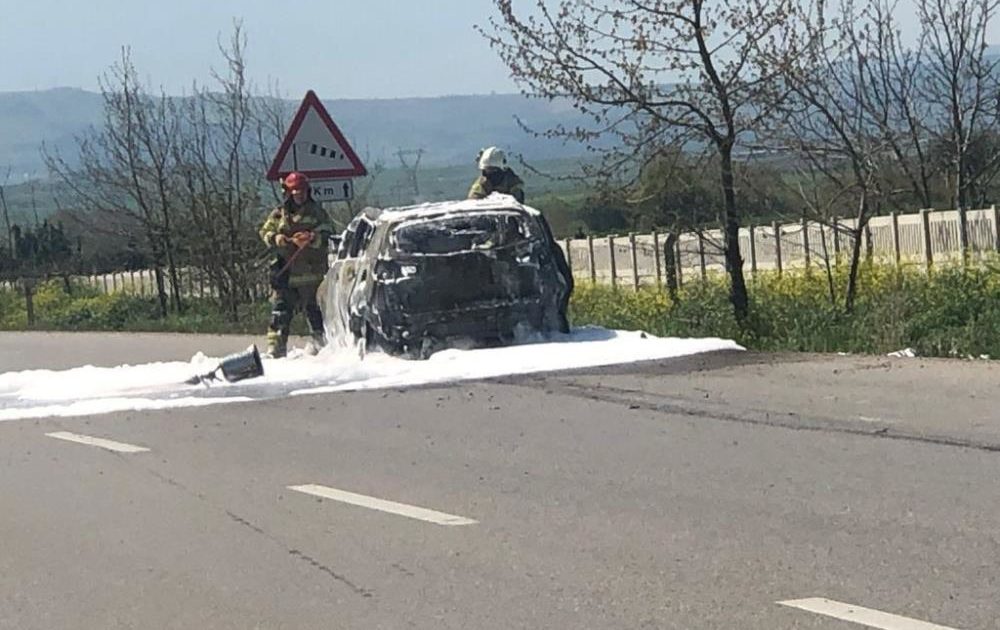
[315, 317]
[277, 330]
[315, 343]
[277, 344]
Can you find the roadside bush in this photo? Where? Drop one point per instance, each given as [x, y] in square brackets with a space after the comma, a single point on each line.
[12, 313]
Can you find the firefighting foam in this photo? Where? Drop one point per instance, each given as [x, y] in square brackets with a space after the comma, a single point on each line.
[88, 390]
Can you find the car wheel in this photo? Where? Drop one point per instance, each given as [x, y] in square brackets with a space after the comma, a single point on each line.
[428, 347]
[548, 320]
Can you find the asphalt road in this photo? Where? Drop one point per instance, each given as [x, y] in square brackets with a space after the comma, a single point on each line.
[690, 493]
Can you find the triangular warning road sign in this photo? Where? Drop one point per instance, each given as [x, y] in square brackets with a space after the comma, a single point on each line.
[314, 146]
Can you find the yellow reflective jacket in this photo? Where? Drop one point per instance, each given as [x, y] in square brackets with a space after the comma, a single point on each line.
[509, 184]
[310, 266]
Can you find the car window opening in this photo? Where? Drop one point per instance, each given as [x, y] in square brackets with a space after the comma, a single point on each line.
[458, 234]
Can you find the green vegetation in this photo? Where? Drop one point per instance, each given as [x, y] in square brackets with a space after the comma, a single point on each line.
[87, 309]
[952, 312]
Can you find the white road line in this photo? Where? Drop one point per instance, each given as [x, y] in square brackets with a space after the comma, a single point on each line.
[861, 615]
[411, 511]
[110, 445]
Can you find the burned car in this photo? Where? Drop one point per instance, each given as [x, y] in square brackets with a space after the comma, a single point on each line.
[416, 279]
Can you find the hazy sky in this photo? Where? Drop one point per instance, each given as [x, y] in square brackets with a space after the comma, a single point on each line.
[340, 48]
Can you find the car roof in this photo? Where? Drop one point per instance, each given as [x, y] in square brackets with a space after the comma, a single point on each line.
[495, 201]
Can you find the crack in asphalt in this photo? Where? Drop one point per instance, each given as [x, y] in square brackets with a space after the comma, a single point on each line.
[636, 399]
[325, 569]
[295, 553]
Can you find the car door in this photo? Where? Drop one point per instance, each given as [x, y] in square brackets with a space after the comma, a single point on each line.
[346, 278]
[340, 281]
[357, 274]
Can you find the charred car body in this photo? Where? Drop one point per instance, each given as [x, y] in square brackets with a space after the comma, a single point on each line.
[415, 279]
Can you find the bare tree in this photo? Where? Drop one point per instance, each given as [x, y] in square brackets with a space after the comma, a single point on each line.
[125, 168]
[668, 195]
[613, 61]
[961, 82]
[897, 105]
[272, 113]
[219, 164]
[837, 116]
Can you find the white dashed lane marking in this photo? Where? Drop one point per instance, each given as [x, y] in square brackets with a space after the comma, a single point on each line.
[119, 447]
[860, 615]
[372, 503]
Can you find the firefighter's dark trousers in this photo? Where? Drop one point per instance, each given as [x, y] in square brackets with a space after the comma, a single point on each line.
[284, 303]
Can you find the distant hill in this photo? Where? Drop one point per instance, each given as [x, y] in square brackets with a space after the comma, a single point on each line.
[29, 118]
[450, 129]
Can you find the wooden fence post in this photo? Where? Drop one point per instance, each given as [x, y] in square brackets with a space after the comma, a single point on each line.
[869, 249]
[680, 261]
[753, 251]
[656, 258]
[777, 245]
[805, 242]
[995, 213]
[963, 235]
[614, 267]
[671, 265]
[29, 301]
[836, 241]
[635, 260]
[569, 258]
[925, 232]
[896, 253]
[593, 263]
[701, 256]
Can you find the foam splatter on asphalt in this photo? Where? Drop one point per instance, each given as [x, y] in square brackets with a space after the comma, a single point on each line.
[90, 390]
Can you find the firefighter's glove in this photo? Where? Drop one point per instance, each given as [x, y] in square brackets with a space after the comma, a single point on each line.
[280, 240]
[301, 239]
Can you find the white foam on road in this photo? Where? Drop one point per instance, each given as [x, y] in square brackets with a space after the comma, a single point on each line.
[91, 390]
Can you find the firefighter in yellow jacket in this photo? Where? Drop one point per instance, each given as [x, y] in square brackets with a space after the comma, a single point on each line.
[496, 176]
[298, 231]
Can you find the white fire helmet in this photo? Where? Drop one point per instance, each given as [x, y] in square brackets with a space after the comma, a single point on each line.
[492, 157]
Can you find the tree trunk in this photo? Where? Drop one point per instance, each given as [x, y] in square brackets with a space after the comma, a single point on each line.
[670, 264]
[6, 221]
[161, 293]
[859, 235]
[831, 287]
[175, 285]
[156, 252]
[734, 261]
